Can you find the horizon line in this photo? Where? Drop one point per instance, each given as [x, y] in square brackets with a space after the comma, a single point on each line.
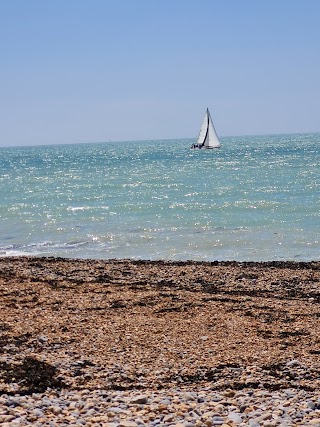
[155, 139]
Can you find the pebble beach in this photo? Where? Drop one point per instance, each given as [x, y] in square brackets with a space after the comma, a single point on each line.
[172, 407]
[123, 343]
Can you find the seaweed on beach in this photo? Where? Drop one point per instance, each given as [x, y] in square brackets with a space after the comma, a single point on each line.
[31, 376]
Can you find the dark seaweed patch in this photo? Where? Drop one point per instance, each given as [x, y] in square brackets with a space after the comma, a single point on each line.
[32, 375]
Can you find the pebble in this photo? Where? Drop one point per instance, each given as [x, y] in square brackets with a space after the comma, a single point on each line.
[162, 408]
[142, 399]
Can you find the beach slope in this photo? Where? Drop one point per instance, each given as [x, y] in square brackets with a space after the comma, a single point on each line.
[123, 324]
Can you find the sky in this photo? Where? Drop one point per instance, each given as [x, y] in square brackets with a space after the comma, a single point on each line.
[75, 71]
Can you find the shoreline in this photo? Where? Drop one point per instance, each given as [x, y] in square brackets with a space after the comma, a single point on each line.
[135, 327]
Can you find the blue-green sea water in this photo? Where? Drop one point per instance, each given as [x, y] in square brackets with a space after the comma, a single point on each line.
[257, 198]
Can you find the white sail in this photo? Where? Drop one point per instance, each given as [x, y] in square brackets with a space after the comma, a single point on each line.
[208, 137]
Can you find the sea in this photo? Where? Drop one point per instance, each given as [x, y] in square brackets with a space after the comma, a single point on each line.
[257, 198]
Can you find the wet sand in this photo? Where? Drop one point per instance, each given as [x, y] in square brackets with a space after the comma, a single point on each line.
[122, 325]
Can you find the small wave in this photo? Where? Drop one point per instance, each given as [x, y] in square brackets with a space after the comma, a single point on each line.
[71, 245]
[39, 248]
[78, 208]
[86, 208]
[13, 253]
[24, 250]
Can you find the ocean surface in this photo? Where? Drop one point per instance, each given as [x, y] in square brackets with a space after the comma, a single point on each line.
[255, 199]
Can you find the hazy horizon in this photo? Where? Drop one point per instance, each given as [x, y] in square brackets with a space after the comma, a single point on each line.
[161, 139]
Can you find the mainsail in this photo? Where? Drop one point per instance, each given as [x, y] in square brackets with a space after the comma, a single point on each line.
[208, 137]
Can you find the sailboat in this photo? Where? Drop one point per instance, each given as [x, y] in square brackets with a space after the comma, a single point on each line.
[208, 137]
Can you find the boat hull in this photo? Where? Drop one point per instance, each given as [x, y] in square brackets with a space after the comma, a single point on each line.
[204, 148]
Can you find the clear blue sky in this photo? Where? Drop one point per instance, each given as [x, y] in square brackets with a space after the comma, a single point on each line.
[93, 70]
